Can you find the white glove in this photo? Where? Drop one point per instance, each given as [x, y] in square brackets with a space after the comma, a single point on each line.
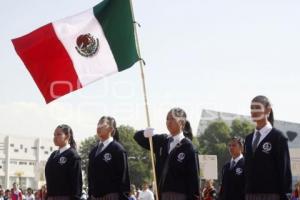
[149, 132]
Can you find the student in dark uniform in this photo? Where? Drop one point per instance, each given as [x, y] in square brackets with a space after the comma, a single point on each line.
[267, 158]
[108, 177]
[63, 168]
[233, 177]
[176, 164]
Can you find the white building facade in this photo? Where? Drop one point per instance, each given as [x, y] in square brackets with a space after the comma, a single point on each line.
[22, 160]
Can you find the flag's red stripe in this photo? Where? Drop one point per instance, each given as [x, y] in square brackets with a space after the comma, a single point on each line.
[48, 62]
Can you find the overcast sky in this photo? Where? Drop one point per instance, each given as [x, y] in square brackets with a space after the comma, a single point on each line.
[199, 54]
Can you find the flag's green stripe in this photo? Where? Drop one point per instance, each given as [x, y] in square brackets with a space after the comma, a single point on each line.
[116, 20]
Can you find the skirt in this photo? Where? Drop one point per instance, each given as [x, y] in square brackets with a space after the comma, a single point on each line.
[110, 196]
[59, 198]
[173, 196]
[262, 197]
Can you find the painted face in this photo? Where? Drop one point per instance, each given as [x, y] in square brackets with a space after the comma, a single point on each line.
[234, 148]
[104, 129]
[60, 138]
[258, 111]
[173, 124]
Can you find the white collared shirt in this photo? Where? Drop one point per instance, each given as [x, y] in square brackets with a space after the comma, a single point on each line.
[237, 159]
[176, 139]
[146, 195]
[61, 150]
[106, 142]
[264, 131]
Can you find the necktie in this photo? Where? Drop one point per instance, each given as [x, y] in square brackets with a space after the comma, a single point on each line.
[232, 164]
[99, 149]
[57, 153]
[171, 139]
[256, 140]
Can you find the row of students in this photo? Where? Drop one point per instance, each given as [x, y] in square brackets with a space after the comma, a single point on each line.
[262, 173]
[176, 162]
[108, 177]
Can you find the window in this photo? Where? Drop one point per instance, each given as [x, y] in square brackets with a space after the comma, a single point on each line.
[31, 163]
[14, 162]
[33, 147]
[42, 147]
[16, 150]
[46, 152]
[22, 163]
[51, 148]
[12, 145]
[21, 146]
[25, 150]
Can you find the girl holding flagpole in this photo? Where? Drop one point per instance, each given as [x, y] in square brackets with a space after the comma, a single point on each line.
[108, 177]
[63, 168]
[267, 159]
[176, 159]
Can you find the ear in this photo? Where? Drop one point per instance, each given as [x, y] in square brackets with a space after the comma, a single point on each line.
[68, 137]
[268, 110]
[181, 123]
[110, 129]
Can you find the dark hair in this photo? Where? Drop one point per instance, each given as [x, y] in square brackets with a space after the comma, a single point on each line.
[267, 104]
[181, 116]
[68, 131]
[239, 140]
[112, 123]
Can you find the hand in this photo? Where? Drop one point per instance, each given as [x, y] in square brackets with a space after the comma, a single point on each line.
[149, 132]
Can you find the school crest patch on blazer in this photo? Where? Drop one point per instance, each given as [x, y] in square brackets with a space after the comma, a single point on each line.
[180, 157]
[107, 157]
[267, 147]
[238, 171]
[62, 160]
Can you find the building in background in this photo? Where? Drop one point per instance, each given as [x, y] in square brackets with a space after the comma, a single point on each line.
[23, 159]
[290, 129]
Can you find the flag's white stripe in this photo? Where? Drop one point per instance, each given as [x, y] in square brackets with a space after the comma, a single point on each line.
[89, 69]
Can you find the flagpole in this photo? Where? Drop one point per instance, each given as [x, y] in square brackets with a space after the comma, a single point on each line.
[145, 99]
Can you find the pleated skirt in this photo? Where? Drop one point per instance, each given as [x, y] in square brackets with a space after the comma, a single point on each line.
[59, 198]
[262, 197]
[173, 196]
[111, 196]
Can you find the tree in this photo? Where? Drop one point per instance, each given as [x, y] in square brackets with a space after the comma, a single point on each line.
[85, 148]
[214, 141]
[241, 128]
[217, 135]
[138, 158]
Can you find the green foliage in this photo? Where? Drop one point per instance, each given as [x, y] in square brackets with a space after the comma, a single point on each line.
[214, 142]
[196, 144]
[138, 158]
[241, 128]
[217, 135]
[85, 148]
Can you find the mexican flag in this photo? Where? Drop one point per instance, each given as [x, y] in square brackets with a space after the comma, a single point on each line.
[68, 54]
